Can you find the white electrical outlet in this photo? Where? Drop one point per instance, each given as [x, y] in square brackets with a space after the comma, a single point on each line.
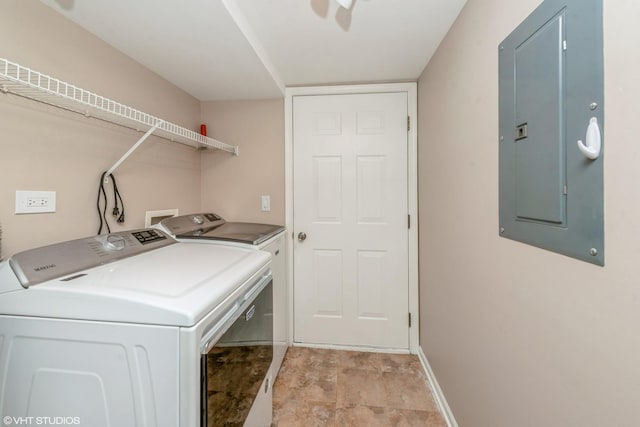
[266, 203]
[29, 202]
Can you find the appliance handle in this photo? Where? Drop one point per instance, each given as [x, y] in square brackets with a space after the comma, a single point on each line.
[219, 329]
[212, 336]
[258, 286]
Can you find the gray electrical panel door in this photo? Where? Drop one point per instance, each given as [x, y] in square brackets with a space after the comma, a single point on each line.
[539, 82]
[551, 97]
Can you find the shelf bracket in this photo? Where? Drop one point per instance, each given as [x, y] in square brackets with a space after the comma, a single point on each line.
[131, 150]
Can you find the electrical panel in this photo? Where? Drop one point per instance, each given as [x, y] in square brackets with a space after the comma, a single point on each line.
[551, 130]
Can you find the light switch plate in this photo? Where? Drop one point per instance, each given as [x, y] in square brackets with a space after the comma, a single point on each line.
[266, 203]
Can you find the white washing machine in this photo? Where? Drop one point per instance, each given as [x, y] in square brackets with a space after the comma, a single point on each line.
[211, 228]
[135, 329]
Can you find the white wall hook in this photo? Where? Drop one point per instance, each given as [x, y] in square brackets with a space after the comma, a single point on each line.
[345, 3]
[592, 149]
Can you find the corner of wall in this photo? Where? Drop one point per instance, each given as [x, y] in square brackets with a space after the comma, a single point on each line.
[438, 394]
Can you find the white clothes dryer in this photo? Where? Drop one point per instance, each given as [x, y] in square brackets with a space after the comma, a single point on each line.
[134, 329]
[211, 228]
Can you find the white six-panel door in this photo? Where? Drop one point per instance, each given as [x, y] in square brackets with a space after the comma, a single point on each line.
[350, 200]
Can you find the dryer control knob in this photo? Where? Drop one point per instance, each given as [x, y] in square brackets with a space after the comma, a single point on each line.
[114, 242]
[197, 219]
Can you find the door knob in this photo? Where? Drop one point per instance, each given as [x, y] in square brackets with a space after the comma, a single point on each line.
[302, 236]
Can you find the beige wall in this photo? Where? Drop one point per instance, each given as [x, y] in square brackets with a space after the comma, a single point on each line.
[232, 186]
[45, 148]
[518, 336]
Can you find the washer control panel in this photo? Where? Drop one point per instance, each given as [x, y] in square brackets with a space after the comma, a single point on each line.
[148, 236]
[62, 259]
[194, 223]
[114, 242]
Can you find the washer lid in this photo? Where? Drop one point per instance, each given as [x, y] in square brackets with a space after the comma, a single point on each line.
[174, 285]
[211, 226]
[241, 232]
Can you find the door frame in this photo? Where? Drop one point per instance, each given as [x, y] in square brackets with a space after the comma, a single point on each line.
[411, 89]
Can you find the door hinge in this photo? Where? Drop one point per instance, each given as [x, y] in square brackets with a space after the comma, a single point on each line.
[408, 221]
[408, 122]
[409, 319]
[564, 45]
[565, 190]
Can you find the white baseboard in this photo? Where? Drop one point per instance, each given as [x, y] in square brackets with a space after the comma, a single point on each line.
[438, 395]
[351, 348]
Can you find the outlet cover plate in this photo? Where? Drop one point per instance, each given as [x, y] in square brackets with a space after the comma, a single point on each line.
[32, 202]
[152, 218]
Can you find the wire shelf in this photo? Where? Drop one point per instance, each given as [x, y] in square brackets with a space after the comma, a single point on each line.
[23, 81]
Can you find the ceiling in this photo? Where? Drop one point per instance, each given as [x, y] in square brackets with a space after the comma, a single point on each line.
[253, 49]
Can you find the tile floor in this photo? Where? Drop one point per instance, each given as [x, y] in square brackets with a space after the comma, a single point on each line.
[317, 387]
